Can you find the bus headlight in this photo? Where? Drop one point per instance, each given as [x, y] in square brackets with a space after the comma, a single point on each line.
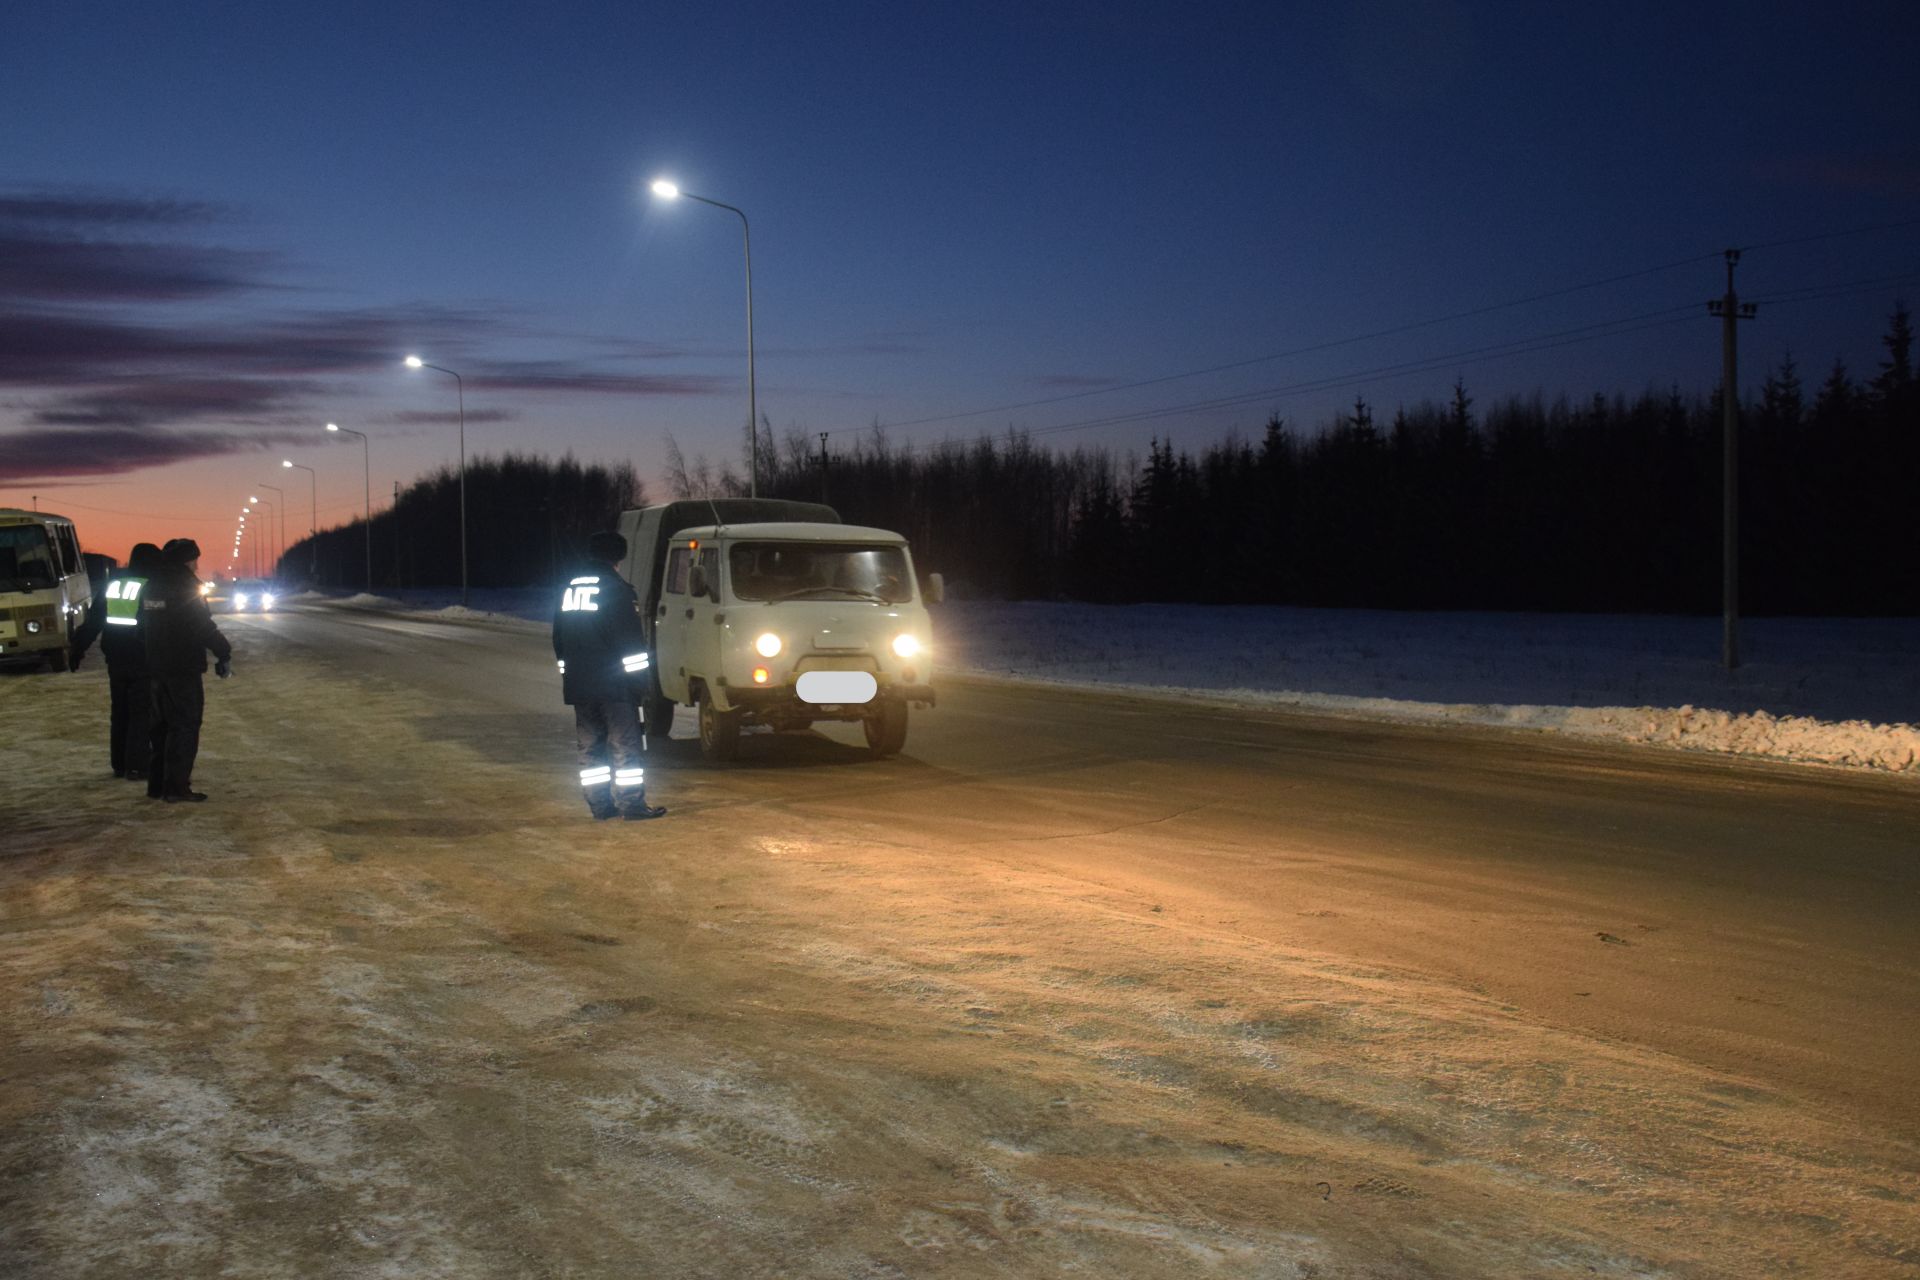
[768, 645]
[905, 646]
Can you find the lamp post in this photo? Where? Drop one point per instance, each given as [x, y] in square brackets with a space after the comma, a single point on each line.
[280, 543]
[366, 467]
[669, 191]
[313, 515]
[267, 551]
[460, 389]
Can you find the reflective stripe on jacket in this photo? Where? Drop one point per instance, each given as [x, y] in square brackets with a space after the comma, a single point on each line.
[598, 637]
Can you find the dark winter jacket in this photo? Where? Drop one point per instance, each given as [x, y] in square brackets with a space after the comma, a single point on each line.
[597, 636]
[177, 625]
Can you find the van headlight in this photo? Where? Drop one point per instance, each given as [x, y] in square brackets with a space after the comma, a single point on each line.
[767, 645]
[905, 646]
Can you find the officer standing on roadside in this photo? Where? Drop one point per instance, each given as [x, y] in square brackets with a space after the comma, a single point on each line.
[179, 630]
[124, 645]
[601, 648]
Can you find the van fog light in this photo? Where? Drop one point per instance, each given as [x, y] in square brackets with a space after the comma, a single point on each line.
[905, 646]
[767, 646]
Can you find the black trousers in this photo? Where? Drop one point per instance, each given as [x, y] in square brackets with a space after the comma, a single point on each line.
[178, 703]
[611, 760]
[131, 709]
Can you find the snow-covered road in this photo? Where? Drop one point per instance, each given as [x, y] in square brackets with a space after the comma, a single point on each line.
[1079, 984]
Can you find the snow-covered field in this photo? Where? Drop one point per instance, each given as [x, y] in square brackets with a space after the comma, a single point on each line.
[1833, 691]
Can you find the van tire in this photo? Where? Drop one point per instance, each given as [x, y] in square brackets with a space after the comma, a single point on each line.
[719, 731]
[886, 729]
[57, 660]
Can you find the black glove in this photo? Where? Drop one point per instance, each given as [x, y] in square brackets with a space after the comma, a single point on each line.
[74, 659]
[223, 668]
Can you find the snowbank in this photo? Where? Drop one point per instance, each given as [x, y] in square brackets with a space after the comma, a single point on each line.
[1829, 691]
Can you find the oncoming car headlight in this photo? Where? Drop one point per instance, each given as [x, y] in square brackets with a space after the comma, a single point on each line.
[266, 600]
[206, 588]
[239, 599]
[905, 646]
[767, 645]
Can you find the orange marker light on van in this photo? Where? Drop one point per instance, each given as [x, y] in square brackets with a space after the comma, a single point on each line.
[759, 675]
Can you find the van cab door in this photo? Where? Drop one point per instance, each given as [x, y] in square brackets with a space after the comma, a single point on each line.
[702, 616]
[671, 619]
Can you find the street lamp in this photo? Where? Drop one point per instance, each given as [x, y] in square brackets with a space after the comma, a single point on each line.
[366, 467]
[460, 389]
[280, 548]
[666, 190]
[266, 552]
[313, 515]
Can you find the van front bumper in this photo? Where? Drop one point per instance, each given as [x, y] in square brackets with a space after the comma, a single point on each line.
[783, 701]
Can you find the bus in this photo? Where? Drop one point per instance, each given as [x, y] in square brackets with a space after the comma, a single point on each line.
[45, 592]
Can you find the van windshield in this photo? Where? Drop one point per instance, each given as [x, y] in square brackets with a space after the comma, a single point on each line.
[793, 570]
[26, 558]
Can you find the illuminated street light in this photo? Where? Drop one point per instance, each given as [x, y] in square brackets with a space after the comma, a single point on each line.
[460, 389]
[366, 476]
[666, 190]
[313, 516]
[281, 541]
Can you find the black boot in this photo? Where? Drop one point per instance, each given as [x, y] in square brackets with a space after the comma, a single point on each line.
[638, 810]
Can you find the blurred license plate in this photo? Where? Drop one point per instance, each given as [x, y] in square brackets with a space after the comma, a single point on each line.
[821, 687]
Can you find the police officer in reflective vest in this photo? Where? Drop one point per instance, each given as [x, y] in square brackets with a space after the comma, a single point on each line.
[602, 652]
[125, 649]
[179, 631]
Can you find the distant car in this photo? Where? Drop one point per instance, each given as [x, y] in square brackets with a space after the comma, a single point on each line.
[249, 595]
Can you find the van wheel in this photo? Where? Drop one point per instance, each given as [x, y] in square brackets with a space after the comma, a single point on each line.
[57, 660]
[887, 729]
[719, 731]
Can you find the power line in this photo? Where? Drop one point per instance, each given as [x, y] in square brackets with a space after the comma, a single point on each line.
[1838, 289]
[1832, 235]
[1309, 350]
[1429, 364]
[1617, 327]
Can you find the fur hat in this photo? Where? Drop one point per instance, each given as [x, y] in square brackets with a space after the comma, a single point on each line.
[181, 551]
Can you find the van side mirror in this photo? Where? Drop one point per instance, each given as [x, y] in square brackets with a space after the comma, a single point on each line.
[697, 581]
[936, 588]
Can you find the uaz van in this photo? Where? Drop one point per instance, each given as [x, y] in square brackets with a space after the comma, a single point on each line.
[775, 613]
[44, 588]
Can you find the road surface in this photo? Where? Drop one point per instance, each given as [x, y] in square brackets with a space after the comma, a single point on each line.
[1078, 982]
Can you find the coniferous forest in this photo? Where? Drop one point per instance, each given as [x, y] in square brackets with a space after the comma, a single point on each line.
[1609, 504]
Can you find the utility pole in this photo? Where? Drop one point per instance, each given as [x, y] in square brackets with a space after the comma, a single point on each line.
[396, 533]
[823, 466]
[1731, 311]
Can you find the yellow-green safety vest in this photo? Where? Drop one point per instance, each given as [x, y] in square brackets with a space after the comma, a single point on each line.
[123, 602]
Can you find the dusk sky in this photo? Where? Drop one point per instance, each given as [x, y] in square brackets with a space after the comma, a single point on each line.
[222, 226]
